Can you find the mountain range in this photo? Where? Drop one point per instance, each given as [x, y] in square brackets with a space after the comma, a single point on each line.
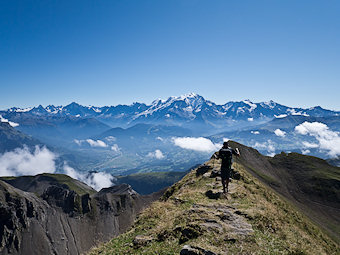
[124, 139]
[189, 110]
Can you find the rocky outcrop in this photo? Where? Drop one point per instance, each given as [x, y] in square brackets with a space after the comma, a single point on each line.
[61, 220]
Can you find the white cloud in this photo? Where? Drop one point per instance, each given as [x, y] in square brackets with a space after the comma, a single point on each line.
[13, 124]
[310, 145]
[115, 148]
[255, 132]
[328, 139]
[100, 180]
[312, 128]
[79, 142]
[91, 142]
[22, 161]
[156, 154]
[250, 119]
[305, 152]
[71, 172]
[95, 180]
[196, 143]
[160, 138]
[269, 146]
[280, 132]
[96, 143]
[110, 138]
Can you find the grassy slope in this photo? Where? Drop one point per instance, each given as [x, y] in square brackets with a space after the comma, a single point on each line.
[310, 183]
[278, 228]
[72, 184]
[75, 185]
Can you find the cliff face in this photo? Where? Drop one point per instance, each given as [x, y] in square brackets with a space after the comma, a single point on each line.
[59, 215]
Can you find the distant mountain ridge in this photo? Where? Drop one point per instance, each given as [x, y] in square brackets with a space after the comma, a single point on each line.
[190, 108]
[10, 138]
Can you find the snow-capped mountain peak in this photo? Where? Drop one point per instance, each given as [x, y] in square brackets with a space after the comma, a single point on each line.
[271, 104]
[175, 110]
[251, 104]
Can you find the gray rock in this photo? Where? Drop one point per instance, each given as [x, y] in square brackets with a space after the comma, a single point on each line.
[202, 169]
[57, 220]
[141, 240]
[192, 250]
[213, 195]
[215, 173]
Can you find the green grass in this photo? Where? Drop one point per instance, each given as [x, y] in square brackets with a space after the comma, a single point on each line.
[278, 227]
[71, 183]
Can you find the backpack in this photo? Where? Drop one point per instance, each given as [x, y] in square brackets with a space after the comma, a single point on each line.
[226, 155]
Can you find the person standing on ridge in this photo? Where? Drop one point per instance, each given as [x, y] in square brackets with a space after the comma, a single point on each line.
[226, 154]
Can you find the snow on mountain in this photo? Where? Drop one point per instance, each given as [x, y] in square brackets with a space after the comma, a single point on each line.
[13, 124]
[174, 110]
[252, 105]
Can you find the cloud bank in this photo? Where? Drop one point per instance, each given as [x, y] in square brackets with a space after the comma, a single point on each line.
[328, 140]
[22, 161]
[196, 143]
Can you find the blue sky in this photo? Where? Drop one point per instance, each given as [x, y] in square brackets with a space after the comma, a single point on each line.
[119, 52]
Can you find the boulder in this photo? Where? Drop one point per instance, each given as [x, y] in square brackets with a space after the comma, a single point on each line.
[141, 240]
[193, 250]
[213, 195]
[215, 173]
[202, 169]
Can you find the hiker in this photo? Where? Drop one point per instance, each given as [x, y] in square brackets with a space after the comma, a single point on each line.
[226, 154]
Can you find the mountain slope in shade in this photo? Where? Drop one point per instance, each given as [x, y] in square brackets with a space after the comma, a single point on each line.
[193, 217]
[10, 138]
[54, 130]
[308, 182]
[55, 214]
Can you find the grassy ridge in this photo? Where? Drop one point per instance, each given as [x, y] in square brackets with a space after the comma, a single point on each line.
[276, 226]
[30, 182]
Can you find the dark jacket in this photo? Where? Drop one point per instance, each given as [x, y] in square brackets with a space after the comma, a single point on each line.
[226, 154]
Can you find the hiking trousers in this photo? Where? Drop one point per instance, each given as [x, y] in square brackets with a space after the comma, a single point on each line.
[225, 172]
